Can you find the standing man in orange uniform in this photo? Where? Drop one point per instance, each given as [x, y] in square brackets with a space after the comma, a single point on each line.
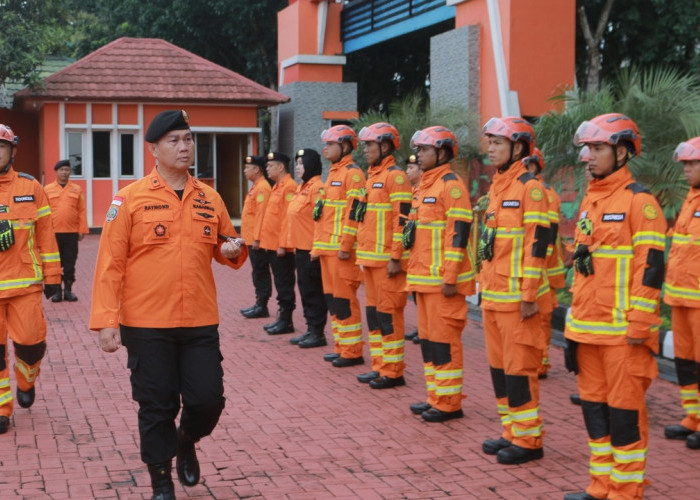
[556, 274]
[440, 272]
[341, 276]
[271, 240]
[69, 217]
[300, 236]
[28, 257]
[683, 295]
[514, 290]
[251, 224]
[154, 292]
[612, 328]
[381, 216]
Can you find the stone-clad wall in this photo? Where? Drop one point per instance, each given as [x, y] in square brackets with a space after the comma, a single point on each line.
[454, 69]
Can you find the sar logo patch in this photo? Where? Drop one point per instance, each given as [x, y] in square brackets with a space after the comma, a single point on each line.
[400, 179]
[536, 194]
[111, 213]
[356, 178]
[649, 211]
[585, 225]
[260, 197]
[456, 193]
[289, 197]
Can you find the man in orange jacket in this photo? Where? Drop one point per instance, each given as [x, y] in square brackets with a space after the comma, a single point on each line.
[154, 282]
[271, 239]
[68, 214]
[514, 289]
[554, 265]
[440, 272]
[381, 216]
[334, 243]
[28, 257]
[612, 327]
[299, 231]
[251, 223]
[683, 295]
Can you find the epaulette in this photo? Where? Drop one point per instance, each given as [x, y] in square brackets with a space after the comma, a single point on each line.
[637, 187]
[352, 165]
[546, 186]
[25, 175]
[394, 167]
[527, 176]
[449, 177]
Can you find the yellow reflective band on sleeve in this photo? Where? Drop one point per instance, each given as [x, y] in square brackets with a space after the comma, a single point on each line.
[556, 270]
[50, 257]
[681, 293]
[463, 213]
[643, 304]
[454, 256]
[553, 217]
[536, 218]
[43, 211]
[378, 207]
[356, 193]
[532, 272]
[649, 238]
[396, 237]
[350, 230]
[400, 196]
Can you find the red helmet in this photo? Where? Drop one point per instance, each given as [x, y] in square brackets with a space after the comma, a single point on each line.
[688, 150]
[584, 155]
[611, 128]
[379, 132]
[340, 134]
[535, 157]
[512, 128]
[7, 135]
[437, 137]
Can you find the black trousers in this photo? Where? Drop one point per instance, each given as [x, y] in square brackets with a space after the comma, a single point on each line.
[262, 281]
[311, 289]
[68, 250]
[168, 364]
[283, 276]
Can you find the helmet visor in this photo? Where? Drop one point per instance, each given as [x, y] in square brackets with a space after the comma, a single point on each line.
[686, 152]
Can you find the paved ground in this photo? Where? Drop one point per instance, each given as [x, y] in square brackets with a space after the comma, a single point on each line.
[296, 428]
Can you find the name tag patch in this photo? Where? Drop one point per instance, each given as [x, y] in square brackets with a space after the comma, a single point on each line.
[24, 199]
[613, 217]
[378, 185]
[510, 204]
[697, 213]
[336, 183]
[430, 199]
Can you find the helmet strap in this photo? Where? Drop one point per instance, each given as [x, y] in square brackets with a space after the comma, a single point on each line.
[505, 167]
[6, 168]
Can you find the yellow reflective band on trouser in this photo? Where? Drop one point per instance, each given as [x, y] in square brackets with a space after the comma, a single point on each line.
[600, 469]
[448, 390]
[531, 431]
[629, 456]
[600, 449]
[396, 344]
[394, 358]
[5, 397]
[504, 415]
[522, 416]
[626, 477]
[448, 374]
[29, 373]
[4, 382]
[350, 340]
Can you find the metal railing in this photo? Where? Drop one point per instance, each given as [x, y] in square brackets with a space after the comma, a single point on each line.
[360, 17]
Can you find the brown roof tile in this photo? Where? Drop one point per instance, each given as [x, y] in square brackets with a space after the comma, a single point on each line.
[150, 69]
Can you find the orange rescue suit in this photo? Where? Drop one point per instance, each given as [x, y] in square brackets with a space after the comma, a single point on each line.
[151, 236]
[299, 225]
[518, 213]
[623, 227]
[682, 293]
[443, 218]
[271, 236]
[68, 211]
[254, 209]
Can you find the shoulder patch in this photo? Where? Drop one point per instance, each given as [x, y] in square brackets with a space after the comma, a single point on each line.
[650, 211]
[356, 178]
[449, 177]
[289, 197]
[527, 176]
[260, 197]
[637, 187]
[25, 175]
[536, 194]
[400, 179]
[112, 213]
[456, 193]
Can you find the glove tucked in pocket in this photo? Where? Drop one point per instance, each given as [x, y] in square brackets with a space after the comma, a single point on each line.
[408, 238]
[318, 210]
[583, 260]
[7, 235]
[486, 242]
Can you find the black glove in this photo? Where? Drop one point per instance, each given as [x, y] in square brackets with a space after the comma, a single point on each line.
[488, 237]
[570, 356]
[7, 235]
[360, 211]
[51, 290]
[408, 238]
[583, 260]
[318, 210]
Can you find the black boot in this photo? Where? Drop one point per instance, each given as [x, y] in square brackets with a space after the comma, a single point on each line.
[26, 398]
[58, 296]
[4, 424]
[162, 481]
[257, 311]
[67, 294]
[299, 338]
[514, 454]
[282, 325]
[316, 338]
[186, 461]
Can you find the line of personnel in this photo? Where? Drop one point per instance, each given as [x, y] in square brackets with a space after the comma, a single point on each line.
[399, 231]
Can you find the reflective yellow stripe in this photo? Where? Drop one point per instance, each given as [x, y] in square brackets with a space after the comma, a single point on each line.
[319, 245]
[350, 340]
[448, 390]
[438, 224]
[597, 327]
[396, 344]
[356, 193]
[454, 256]
[629, 456]
[378, 257]
[335, 203]
[643, 304]
[504, 297]
[428, 370]
[448, 374]
[29, 373]
[521, 416]
[50, 257]
[649, 238]
[459, 213]
[600, 449]
[626, 477]
[393, 358]
[530, 431]
[536, 218]
[349, 328]
[532, 272]
[621, 252]
[681, 293]
[378, 207]
[4, 382]
[43, 211]
[5, 397]
[600, 469]
[350, 230]
[400, 196]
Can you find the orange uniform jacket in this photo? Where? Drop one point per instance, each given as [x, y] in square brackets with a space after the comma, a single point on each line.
[342, 187]
[34, 256]
[270, 235]
[627, 242]
[154, 262]
[68, 211]
[556, 274]
[683, 272]
[254, 209]
[299, 227]
[388, 196]
[518, 210]
[443, 220]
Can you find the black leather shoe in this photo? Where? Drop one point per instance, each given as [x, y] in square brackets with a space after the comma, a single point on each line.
[243, 311]
[330, 356]
[365, 378]
[575, 399]
[341, 362]
[58, 296]
[412, 335]
[299, 338]
[418, 408]
[26, 398]
[4, 424]
[387, 382]
[281, 326]
[581, 495]
[416, 340]
[676, 432]
[162, 482]
[257, 311]
[164, 493]
[313, 341]
[693, 441]
[69, 296]
[186, 462]
[513, 455]
[492, 446]
[435, 415]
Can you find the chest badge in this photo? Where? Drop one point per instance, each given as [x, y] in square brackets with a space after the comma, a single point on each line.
[159, 230]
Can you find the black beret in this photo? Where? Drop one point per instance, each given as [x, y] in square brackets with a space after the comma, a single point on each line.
[277, 156]
[164, 122]
[61, 163]
[311, 161]
[256, 160]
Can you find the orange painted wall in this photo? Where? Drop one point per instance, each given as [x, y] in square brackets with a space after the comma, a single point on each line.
[101, 198]
[26, 126]
[313, 73]
[101, 114]
[128, 114]
[50, 150]
[75, 113]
